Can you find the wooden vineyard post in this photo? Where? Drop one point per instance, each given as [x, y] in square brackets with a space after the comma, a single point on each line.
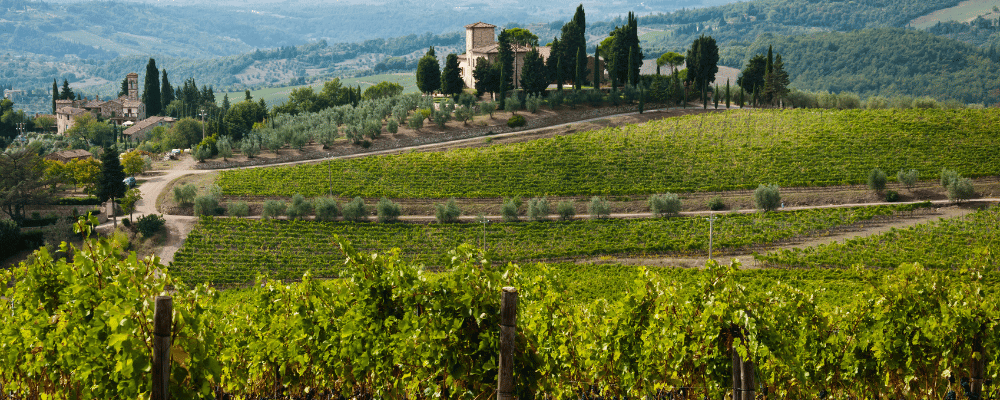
[162, 320]
[976, 369]
[737, 366]
[746, 368]
[508, 321]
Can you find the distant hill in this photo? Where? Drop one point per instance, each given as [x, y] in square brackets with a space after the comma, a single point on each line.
[887, 61]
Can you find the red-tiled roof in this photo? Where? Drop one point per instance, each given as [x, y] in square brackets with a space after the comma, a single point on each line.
[480, 25]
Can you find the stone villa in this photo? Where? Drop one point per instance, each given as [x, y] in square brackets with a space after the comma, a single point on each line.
[481, 42]
[123, 109]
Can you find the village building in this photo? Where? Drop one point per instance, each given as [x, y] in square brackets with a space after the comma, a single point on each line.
[121, 110]
[142, 127]
[69, 155]
[481, 42]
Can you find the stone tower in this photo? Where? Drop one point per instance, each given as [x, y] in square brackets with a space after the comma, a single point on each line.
[478, 35]
[133, 85]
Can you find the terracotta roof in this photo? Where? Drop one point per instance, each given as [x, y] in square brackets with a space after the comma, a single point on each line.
[69, 155]
[480, 24]
[148, 123]
[131, 103]
[493, 49]
[70, 111]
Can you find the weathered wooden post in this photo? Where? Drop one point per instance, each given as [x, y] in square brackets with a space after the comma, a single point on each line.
[976, 369]
[737, 365]
[162, 320]
[748, 379]
[508, 322]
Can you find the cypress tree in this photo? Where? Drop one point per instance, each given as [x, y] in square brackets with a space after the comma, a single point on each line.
[109, 183]
[503, 90]
[55, 95]
[715, 96]
[166, 91]
[151, 91]
[597, 67]
[704, 96]
[727, 93]
[559, 77]
[429, 73]
[451, 79]
[66, 93]
[578, 81]
[631, 66]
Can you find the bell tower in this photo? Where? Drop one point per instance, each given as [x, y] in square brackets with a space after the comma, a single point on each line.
[133, 85]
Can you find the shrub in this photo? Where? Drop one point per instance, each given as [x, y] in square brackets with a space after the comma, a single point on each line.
[598, 208]
[355, 210]
[907, 178]
[448, 212]
[663, 204]
[238, 209]
[207, 204]
[538, 209]
[948, 176]
[716, 204]
[150, 224]
[516, 121]
[533, 103]
[392, 126]
[327, 209]
[273, 209]
[202, 153]
[876, 180]
[415, 122]
[565, 210]
[441, 118]
[387, 210]
[961, 189]
[925, 102]
[555, 99]
[10, 236]
[767, 197]
[300, 208]
[891, 196]
[463, 114]
[509, 209]
[185, 194]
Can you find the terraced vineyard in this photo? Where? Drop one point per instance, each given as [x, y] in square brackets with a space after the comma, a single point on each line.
[941, 244]
[716, 151]
[234, 251]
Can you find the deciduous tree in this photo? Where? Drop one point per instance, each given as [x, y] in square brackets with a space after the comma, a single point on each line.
[22, 182]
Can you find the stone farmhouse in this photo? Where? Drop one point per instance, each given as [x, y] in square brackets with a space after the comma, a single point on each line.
[121, 110]
[481, 42]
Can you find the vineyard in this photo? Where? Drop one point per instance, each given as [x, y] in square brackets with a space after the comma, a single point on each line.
[944, 243]
[707, 152]
[227, 251]
[81, 329]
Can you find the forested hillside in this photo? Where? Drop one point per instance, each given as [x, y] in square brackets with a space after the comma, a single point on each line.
[887, 62]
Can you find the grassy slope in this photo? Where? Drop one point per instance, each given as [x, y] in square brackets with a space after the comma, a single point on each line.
[706, 152]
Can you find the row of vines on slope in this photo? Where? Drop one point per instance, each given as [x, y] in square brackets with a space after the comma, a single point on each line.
[388, 330]
[942, 243]
[707, 152]
[227, 251]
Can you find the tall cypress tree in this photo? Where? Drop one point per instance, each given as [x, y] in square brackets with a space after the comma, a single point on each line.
[151, 90]
[429, 73]
[572, 40]
[451, 78]
[55, 95]
[109, 183]
[597, 67]
[578, 80]
[553, 63]
[166, 91]
[631, 67]
[702, 61]
[727, 93]
[506, 58]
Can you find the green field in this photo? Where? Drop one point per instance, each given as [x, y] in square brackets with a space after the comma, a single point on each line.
[278, 95]
[234, 251]
[942, 244]
[707, 152]
[963, 12]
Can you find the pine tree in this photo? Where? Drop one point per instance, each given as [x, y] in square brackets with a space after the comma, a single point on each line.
[109, 183]
[451, 78]
[775, 83]
[151, 90]
[55, 95]
[225, 103]
[166, 91]
[429, 73]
